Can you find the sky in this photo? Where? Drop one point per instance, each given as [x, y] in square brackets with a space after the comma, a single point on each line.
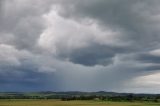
[80, 45]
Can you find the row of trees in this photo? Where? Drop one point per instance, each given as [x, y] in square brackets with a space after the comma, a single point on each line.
[129, 97]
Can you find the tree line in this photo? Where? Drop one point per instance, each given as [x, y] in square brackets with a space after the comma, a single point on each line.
[129, 98]
[68, 97]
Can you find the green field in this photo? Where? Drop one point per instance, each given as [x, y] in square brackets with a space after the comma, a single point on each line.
[71, 103]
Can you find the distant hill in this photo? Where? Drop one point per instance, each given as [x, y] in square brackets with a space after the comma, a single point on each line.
[77, 95]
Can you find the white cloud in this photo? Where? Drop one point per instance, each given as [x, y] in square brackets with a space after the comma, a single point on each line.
[70, 34]
[10, 56]
[155, 52]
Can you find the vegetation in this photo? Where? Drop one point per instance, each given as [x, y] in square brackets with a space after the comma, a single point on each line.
[50, 102]
[78, 99]
[96, 96]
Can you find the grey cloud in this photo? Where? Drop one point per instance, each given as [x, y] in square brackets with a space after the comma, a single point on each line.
[93, 54]
[148, 58]
[24, 20]
[96, 65]
[135, 17]
[25, 80]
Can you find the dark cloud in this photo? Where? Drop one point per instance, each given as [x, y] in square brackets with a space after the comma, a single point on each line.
[93, 54]
[136, 18]
[26, 77]
[78, 45]
[148, 58]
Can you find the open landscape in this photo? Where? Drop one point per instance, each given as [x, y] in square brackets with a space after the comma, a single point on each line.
[24, 102]
[79, 52]
[100, 98]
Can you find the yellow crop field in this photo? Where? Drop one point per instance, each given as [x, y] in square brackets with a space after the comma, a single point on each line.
[72, 103]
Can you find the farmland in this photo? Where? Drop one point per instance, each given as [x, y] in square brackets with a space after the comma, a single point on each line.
[77, 99]
[24, 102]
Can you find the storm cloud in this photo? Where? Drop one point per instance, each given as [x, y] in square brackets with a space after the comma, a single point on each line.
[80, 45]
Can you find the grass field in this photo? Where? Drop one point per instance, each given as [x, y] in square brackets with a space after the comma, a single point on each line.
[71, 103]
